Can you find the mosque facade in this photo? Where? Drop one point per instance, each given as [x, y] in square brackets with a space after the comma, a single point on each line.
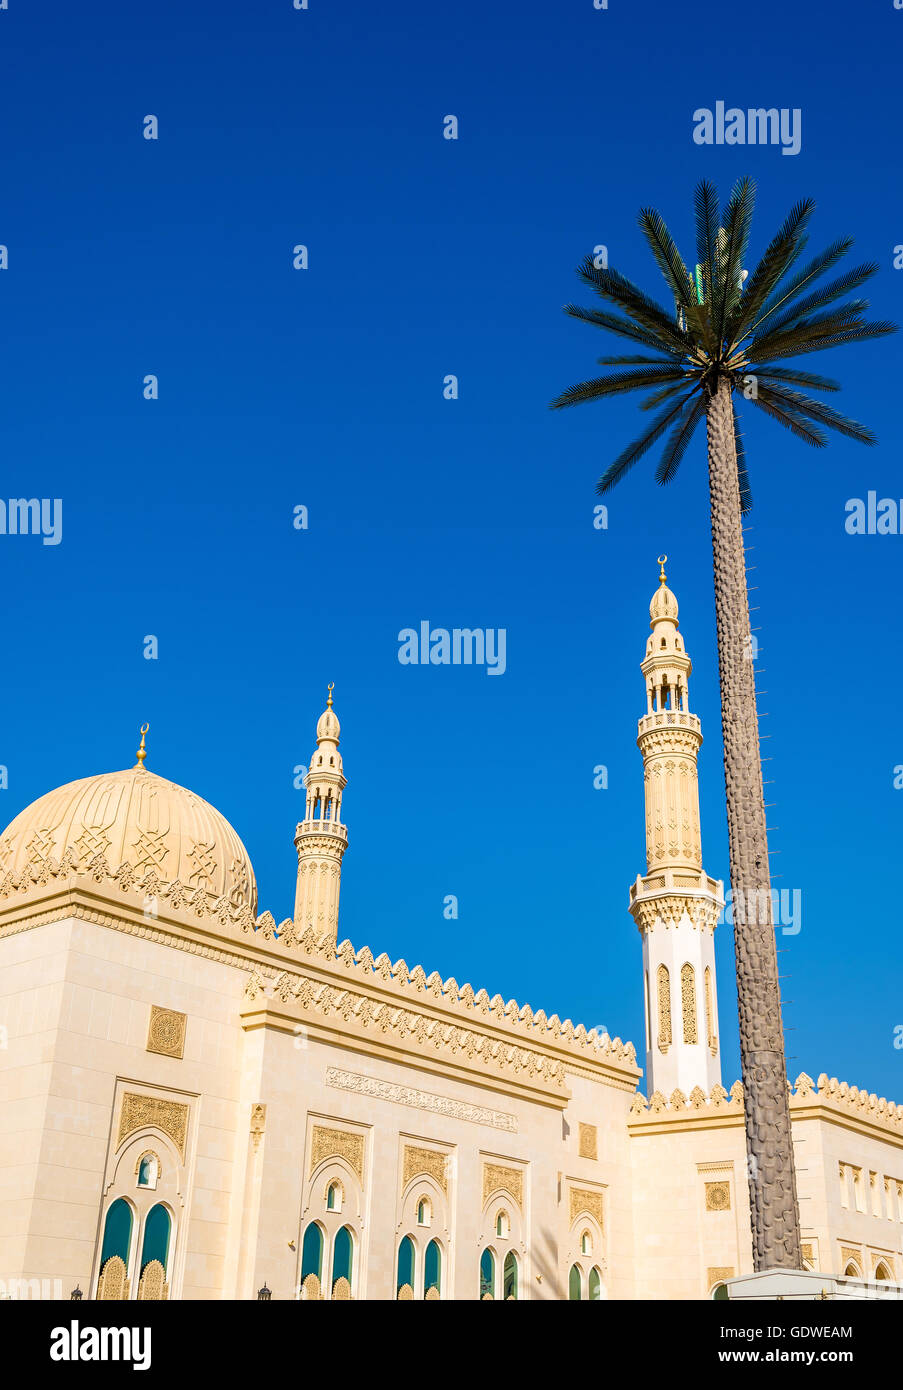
[199, 1102]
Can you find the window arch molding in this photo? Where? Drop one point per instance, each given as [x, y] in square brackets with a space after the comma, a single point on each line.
[333, 1169]
[423, 1187]
[154, 1171]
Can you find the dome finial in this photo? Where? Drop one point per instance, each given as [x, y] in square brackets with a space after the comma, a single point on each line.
[662, 579]
[142, 754]
[331, 688]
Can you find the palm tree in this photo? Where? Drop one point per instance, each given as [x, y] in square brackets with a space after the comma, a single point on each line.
[729, 332]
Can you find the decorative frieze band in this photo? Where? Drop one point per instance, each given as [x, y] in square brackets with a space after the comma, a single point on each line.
[420, 1100]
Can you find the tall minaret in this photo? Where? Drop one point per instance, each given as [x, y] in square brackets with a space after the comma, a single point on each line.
[676, 904]
[321, 839]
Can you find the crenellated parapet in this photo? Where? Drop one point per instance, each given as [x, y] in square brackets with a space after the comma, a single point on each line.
[829, 1100]
[288, 953]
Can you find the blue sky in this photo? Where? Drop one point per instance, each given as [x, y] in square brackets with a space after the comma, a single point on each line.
[324, 388]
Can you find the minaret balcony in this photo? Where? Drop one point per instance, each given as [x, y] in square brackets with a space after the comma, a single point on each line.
[662, 719]
[323, 827]
[682, 882]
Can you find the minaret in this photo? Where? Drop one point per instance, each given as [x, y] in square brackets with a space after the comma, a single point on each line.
[321, 839]
[676, 904]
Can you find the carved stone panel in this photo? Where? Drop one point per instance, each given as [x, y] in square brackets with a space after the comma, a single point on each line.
[170, 1116]
[430, 1161]
[337, 1143]
[496, 1176]
[584, 1200]
[166, 1032]
[717, 1196]
[588, 1141]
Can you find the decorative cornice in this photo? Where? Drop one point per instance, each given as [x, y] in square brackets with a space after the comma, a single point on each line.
[194, 920]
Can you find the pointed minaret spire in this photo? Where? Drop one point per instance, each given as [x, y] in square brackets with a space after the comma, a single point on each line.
[321, 838]
[676, 904]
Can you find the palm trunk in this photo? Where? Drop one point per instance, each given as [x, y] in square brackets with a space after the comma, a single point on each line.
[769, 1144]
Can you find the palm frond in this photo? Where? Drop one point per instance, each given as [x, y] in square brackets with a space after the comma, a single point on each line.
[857, 334]
[648, 361]
[629, 456]
[616, 384]
[639, 306]
[664, 395]
[790, 419]
[705, 199]
[822, 414]
[677, 443]
[624, 328]
[836, 320]
[817, 383]
[779, 255]
[810, 272]
[667, 257]
[732, 252]
[844, 284]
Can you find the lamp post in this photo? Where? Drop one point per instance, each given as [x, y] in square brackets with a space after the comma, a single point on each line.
[76, 1294]
[264, 1295]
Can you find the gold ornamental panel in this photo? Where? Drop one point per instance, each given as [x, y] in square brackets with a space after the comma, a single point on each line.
[582, 1200]
[588, 1141]
[717, 1196]
[429, 1161]
[337, 1143]
[168, 1115]
[496, 1176]
[166, 1032]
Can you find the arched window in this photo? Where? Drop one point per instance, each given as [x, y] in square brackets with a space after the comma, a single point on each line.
[117, 1232]
[334, 1195]
[312, 1252]
[510, 1276]
[575, 1284]
[664, 1009]
[424, 1212]
[502, 1224]
[595, 1285]
[342, 1256]
[586, 1243]
[688, 1002]
[487, 1274]
[851, 1272]
[432, 1268]
[881, 1271]
[148, 1170]
[157, 1230]
[405, 1275]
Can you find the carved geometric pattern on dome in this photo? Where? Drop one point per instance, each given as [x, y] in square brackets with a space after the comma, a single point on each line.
[717, 1196]
[238, 872]
[166, 1032]
[588, 1141]
[688, 1002]
[150, 849]
[430, 1161]
[39, 847]
[582, 1201]
[91, 842]
[138, 1111]
[6, 849]
[664, 1009]
[204, 865]
[152, 1286]
[113, 1286]
[497, 1177]
[337, 1143]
